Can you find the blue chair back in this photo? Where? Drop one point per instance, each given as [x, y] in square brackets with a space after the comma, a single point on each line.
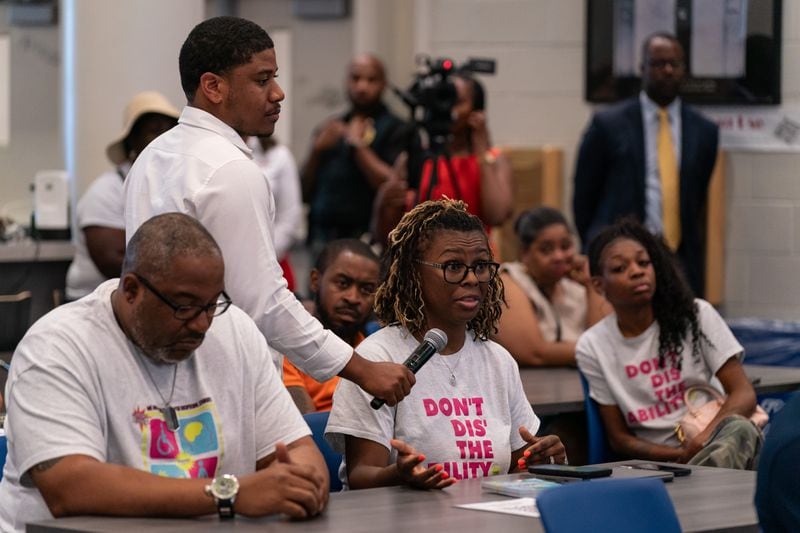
[773, 343]
[3, 453]
[317, 423]
[597, 444]
[371, 327]
[618, 505]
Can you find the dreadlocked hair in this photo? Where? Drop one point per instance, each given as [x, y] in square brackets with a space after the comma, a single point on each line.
[399, 296]
[673, 303]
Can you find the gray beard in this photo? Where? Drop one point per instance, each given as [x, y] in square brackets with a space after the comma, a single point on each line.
[159, 356]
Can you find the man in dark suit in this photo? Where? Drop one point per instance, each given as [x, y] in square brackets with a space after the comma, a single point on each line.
[620, 172]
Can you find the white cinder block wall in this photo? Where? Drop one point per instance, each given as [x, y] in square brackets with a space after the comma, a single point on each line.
[537, 98]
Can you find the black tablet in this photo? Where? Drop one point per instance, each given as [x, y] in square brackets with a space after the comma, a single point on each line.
[582, 472]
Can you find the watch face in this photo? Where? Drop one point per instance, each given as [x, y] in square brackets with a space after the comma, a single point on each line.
[225, 487]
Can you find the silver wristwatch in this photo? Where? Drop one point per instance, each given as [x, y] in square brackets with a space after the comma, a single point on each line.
[224, 490]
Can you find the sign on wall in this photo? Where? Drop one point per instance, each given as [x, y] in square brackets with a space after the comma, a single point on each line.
[768, 129]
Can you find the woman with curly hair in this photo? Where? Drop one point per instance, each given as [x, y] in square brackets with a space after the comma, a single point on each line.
[467, 415]
[659, 341]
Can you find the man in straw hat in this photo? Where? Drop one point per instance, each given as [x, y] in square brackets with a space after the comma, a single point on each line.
[100, 245]
[203, 167]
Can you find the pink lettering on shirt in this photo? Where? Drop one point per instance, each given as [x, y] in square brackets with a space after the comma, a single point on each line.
[463, 415]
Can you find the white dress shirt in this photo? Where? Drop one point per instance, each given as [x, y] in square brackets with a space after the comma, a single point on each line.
[203, 168]
[279, 167]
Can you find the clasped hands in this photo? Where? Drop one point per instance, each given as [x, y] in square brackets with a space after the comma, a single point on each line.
[285, 487]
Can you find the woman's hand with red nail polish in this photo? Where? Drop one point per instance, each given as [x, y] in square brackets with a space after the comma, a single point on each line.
[414, 473]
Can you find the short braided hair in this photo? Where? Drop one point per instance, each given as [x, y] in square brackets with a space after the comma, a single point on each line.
[399, 296]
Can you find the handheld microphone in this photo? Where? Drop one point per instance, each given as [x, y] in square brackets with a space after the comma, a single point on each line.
[434, 341]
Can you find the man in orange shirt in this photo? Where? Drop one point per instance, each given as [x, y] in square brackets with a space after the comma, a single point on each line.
[343, 284]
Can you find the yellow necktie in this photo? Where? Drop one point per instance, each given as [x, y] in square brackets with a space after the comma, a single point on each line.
[670, 182]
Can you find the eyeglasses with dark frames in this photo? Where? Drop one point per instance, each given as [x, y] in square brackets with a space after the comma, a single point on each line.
[187, 313]
[456, 272]
[676, 64]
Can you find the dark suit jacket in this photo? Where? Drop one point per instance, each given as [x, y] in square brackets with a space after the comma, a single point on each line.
[610, 178]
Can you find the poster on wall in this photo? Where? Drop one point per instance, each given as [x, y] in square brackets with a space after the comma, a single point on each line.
[732, 48]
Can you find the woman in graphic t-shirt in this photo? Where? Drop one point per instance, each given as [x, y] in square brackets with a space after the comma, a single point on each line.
[659, 341]
[467, 416]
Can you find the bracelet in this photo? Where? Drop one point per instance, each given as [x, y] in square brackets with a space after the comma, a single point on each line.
[488, 157]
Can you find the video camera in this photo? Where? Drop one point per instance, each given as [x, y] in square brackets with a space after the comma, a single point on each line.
[434, 93]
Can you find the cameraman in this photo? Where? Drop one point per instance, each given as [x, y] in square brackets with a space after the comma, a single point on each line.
[468, 168]
[351, 156]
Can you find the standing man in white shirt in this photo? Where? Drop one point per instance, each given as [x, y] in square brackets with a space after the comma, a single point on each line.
[203, 168]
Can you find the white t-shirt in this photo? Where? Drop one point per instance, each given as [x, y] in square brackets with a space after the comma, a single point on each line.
[470, 428]
[203, 168]
[77, 386]
[624, 371]
[280, 169]
[101, 205]
[563, 319]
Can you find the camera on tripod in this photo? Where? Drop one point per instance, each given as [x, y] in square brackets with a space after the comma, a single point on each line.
[433, 95]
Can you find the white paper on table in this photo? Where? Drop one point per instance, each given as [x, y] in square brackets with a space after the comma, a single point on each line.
[515, 506]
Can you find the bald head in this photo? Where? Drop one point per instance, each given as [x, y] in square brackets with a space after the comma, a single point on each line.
[158, 242]
[366, 81]
[369, 61]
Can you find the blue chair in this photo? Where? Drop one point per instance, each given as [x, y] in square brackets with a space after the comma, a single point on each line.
[598, 450]
[618, 505]
[317, 423]
[3, 453]
[371, 327]
[3, 443]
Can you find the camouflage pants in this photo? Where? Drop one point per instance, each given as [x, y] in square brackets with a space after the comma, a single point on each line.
[735, 443]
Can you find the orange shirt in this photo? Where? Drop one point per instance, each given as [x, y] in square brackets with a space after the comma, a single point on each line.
[321, 393]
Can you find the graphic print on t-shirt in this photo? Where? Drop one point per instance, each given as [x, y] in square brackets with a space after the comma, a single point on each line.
[667, 385]
[465, 418]
[192, 451]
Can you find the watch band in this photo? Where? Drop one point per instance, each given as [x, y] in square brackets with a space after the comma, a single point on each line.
[225, 509]
[224, 490]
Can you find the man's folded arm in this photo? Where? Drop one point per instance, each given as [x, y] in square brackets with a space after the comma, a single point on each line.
[82, 485]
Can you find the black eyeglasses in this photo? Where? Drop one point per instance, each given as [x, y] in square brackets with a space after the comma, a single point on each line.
[661, 63]
[456, 272]
[190, 312]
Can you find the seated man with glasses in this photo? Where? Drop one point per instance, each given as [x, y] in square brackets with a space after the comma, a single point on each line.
[467, 416]
[131, 400]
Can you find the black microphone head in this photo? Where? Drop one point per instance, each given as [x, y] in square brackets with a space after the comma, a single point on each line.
[437, 338]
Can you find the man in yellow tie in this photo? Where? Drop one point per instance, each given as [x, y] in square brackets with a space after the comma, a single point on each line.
[650, 156]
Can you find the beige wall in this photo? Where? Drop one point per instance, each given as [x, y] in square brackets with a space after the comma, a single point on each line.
[535, 98]
[120, 48]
